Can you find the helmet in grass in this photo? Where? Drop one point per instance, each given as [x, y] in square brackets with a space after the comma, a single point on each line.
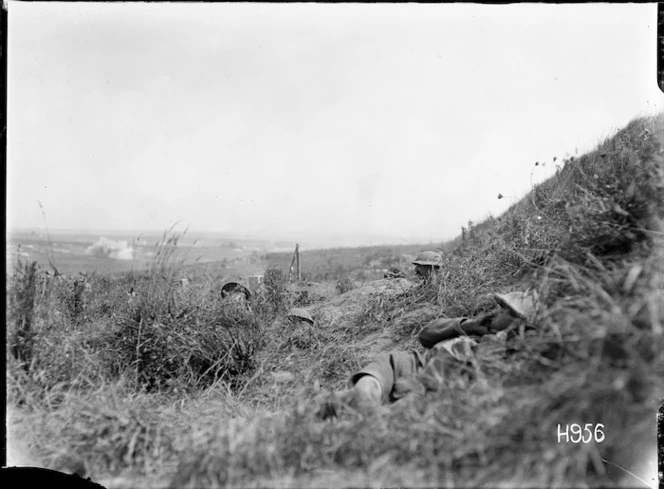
[523, 304]
[428, 259]
[301, 314]
[233, 287]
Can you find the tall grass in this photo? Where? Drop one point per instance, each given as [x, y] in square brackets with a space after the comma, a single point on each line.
[21, 308]
[142, 328]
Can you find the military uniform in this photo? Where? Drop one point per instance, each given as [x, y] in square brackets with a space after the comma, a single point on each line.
[449, 340]
[403, 372]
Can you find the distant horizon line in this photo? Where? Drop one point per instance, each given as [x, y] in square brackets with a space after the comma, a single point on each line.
[228, 235]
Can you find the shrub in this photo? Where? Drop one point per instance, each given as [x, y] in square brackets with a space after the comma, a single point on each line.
[344, 284]
[275, 290]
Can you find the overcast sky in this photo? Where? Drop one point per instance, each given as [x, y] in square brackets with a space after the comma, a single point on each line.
[396, 122]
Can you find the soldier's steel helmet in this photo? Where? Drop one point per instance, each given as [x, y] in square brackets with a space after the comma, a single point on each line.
[428, 258]
[234, 287]
[298, 313]
[523, 304]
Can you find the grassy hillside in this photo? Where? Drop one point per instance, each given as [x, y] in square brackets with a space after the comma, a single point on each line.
[171, 387]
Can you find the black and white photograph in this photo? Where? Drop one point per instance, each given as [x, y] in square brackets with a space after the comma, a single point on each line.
[311, 245]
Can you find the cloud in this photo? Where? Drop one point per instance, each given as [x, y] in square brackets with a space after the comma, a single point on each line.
[107, 248]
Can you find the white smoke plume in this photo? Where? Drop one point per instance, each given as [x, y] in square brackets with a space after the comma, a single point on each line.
[107, 248]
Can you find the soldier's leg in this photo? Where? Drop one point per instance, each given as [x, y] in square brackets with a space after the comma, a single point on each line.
[377, 383]
[370, 389]
[392, 372]
[376, 378]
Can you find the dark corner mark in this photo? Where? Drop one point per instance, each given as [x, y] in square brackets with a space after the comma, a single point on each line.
[40, 477]
[660, 45]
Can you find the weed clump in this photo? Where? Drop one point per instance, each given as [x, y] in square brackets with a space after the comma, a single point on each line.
[73, 299]
[345, 284]
[275, 290]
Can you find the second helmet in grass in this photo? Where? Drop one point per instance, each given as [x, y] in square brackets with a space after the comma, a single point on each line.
[301, 314]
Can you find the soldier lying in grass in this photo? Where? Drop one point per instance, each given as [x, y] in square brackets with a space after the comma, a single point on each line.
[394, 375]
[426, 264]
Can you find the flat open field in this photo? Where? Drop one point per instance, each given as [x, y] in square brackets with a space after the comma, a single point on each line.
[115, 253]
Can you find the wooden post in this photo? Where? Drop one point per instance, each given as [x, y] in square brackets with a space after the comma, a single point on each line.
[292, 266]
[297, 262]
